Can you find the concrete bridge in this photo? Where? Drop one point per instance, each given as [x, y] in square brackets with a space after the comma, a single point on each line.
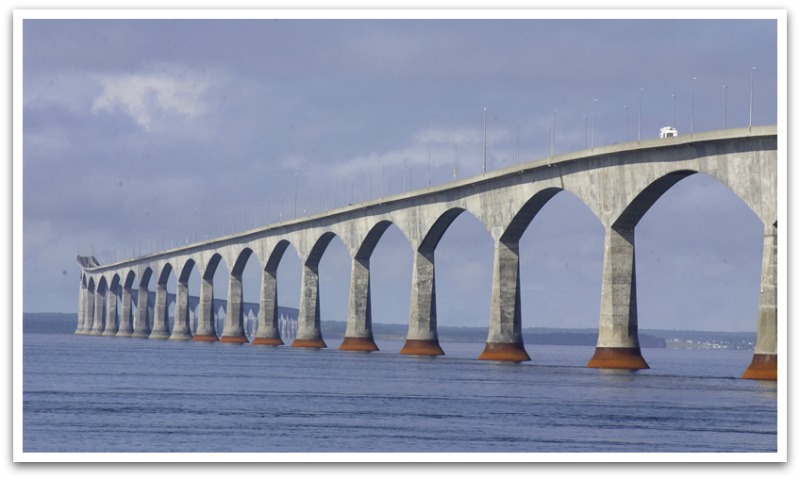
[619, 183]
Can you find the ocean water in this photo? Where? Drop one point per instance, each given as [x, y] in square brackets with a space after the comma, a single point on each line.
[106, 394]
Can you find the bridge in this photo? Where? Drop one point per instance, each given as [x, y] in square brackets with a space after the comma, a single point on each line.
[618, 183]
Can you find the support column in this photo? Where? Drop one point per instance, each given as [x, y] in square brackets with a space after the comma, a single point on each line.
[141, 323]
[268, 332]
[125, 317]
[309, 334]
[358, 335]
[765, 357]
[160, 314]
[97, 325]
[505, 341]
[233, 329]
[206, 327]
[618, 338]
[422, 339]
[181, 329]
[88, 311]
[111, 314]
[81, 306]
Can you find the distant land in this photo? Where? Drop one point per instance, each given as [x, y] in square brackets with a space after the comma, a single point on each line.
[65, 323]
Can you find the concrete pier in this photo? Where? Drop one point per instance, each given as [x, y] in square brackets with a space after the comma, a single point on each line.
[268, 333]
[233, 330]
[125, 315]
[181, 329]
[423, 339]
[505, 341]
[358, 333]
[98, 312]
[206, 325]
[160, 328]
[309, 333]
[618, 336]
[765, 356]
[141, 321]
[111, 326]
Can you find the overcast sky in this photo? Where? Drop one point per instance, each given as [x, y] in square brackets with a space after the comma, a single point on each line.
[144, 134]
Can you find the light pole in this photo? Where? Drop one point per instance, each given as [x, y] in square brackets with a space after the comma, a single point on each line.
[548, 142]
[750, 121]
[639, 135]
[585, 131]
[519, 122]
[554, 131]
[725, 108]
[594, 107]
[484, 140]
[692, 119]
[294, 201]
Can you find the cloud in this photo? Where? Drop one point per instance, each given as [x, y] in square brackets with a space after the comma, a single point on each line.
[155, 98]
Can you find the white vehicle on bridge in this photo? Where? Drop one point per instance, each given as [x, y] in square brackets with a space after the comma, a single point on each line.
[667, 132]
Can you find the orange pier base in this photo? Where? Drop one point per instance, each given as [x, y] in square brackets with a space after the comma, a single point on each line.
[514, 352]
[233, 339]
[617, 358]
[358, 344]
[205, 337]
[422, 347]
[309, 343]
[763, 367]
[268, 341]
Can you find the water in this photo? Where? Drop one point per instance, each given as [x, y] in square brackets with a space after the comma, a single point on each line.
[100, 394]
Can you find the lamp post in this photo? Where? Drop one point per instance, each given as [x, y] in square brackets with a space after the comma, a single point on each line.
[594, 107]
[585, 131]
[484, 140]
[691, 130]
[294, 201]
[750, 121]
[519, 122]
[725, 108]
[554, 131]
[639, 134]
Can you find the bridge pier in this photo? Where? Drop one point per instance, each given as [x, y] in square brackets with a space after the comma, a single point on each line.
[765, 356]
[160, 314]
[125, 323]
[233, 329]
[423, 339]
[309, 333]
[141, 322]
[358, 335]
[618, 337]
[181, 330]
[82, 290]
[505, 341]
[97, 323]
[267, 332]
[206, 325]
[111, 314]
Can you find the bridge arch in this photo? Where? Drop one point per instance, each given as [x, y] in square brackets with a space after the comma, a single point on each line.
[268, 329]
[234, 328]
[309, 332]
[423, 338]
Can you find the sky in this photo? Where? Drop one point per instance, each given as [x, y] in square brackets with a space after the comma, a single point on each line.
[140, 135]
